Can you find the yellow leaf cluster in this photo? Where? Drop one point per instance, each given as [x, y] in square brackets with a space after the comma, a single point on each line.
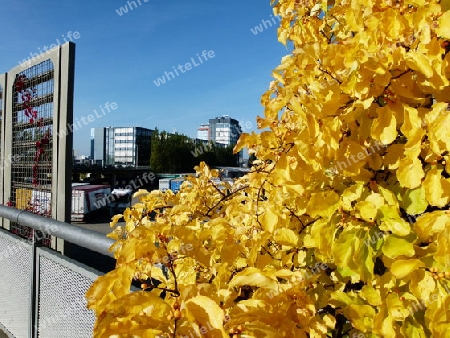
[341, 228]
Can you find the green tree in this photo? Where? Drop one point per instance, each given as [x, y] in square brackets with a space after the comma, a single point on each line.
[177, 153]
[215, 155]
[157, 152]
[170, 153]
[226, 157]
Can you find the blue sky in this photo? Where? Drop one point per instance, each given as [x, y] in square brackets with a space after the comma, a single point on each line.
[118, 58]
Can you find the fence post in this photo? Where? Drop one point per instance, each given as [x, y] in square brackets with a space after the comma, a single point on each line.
[36, 241]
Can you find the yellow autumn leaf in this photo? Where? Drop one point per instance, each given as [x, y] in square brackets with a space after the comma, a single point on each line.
[410, 172]
[422, 284]
[414, 201]
[399, 226]
[396, 307]
[184, 270]
[438, 315]
[429, 224]
[322, 204]
[107, 288]
[244, 140]
[252, 277]
[444, 24]
[269, 220]
[352, 194]
[434, 191]
[262, 330]
[412, 121]
[419, 62]
[384, 127]
[350, 158]
[140, 192]
[443, 241]
[439, 132]
[367, 210]
[145, 308]
[395, 246]
[361, 316]
[208, 315]
[393, 154]
[372, 295]
[115, 219]
[402, 267]
[383, 323]
[285, 236]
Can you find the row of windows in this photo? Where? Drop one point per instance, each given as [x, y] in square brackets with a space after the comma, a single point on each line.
[123, 159]
[124, 134]
[132, 133]
[144, 133]
[131, 140]
[124, 141]
[222, 125]
[124, 148]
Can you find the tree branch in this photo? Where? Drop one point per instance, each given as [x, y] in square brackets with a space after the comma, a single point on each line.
[308, 224]
[225, 197]
[331, 75]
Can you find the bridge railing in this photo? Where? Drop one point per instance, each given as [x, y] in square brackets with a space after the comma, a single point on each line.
[42, 293]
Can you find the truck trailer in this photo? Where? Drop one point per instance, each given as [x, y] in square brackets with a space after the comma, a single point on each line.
[121, 199]
[176, 183]
[164, 184]
[88, 199]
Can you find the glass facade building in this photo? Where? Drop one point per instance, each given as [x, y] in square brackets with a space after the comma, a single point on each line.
[122, 146]
[224, 130]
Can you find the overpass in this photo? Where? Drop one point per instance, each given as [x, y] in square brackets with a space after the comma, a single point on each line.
[109, 174]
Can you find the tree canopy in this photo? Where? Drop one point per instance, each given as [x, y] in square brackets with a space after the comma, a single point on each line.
[342, 227]
[177, 153]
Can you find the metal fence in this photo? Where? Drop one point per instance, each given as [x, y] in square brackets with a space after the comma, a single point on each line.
[31, 149]
[36, 138]
[42, 293]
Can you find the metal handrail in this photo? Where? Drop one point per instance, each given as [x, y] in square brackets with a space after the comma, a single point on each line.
[89, 239]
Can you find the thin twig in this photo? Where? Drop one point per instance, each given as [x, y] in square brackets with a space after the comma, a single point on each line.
[295, 215]
[308, 224]
[225, 197]
[331, 75]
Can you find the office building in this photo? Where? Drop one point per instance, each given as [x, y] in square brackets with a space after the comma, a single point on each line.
[203, 132]
[221, 130]
[121, 146]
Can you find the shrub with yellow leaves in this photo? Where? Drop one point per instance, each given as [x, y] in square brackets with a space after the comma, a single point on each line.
[342, 227]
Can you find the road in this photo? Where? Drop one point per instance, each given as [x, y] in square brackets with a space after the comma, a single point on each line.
[93, 259]
[101, 223]
[103, 228]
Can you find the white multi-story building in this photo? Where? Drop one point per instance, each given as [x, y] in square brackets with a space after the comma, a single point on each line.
[203, 132]
[121, 146]
[221, 130]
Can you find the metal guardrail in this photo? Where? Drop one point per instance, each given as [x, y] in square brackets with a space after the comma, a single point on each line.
[84, 237]
[42, 293]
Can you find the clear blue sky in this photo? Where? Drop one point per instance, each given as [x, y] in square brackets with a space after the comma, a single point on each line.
[119, 56]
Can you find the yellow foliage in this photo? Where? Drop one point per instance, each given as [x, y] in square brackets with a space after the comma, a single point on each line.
[342, 227]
